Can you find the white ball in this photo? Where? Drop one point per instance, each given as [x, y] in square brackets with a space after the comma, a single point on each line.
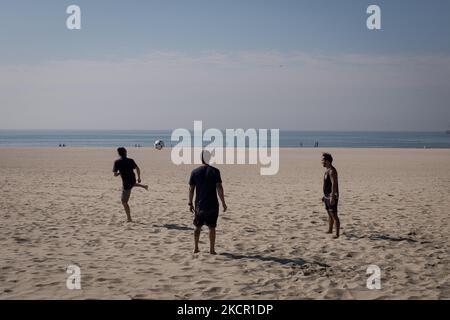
[159, 144]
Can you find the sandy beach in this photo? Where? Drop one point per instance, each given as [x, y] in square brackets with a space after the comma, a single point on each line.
[61, 206]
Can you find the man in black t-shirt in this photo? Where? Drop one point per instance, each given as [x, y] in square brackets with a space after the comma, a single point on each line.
[206, 182]
[125, 168]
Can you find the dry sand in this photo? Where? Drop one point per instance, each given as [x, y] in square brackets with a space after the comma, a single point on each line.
[61, 206]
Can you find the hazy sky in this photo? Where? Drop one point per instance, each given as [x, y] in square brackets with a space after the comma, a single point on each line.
[305, 65]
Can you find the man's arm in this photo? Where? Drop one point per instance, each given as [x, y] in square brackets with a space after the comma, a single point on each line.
[191, 197]
[115, 169]
[138, 171]
[221, 195]
[334, 184]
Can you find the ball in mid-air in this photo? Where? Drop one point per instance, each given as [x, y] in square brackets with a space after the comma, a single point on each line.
[159, 144]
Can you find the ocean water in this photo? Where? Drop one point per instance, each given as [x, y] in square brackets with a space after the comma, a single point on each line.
[113, 138]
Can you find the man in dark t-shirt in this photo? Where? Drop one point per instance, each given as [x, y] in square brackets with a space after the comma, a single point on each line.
[125, 168]
[207, 183]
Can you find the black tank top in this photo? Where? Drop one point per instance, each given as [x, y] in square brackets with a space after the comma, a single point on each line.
[327, 185]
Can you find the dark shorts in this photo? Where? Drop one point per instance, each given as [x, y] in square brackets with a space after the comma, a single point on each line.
[126, 195]
[329, 207]
[208, 217]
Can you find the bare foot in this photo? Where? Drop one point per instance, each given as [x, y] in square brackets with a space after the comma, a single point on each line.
[196, 251]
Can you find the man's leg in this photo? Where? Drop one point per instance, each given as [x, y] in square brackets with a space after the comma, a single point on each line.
[196, 238]
[338, 224]
[141, 186]
[125, 197]
[127, 211]
[212, 240]
[330, 222]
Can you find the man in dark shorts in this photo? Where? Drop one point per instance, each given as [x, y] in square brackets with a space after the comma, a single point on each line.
[206, 182]
[125, 168]
[331, 193]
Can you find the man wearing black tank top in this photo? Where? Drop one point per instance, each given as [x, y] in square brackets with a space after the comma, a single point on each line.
[331, 193]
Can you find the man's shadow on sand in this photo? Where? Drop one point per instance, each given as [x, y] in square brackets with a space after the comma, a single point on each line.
[283, 261]
[172, 226]
[383, 237]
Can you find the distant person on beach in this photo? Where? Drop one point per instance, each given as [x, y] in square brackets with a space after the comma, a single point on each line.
[331, 193]
[207, 183]
[125, 168]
